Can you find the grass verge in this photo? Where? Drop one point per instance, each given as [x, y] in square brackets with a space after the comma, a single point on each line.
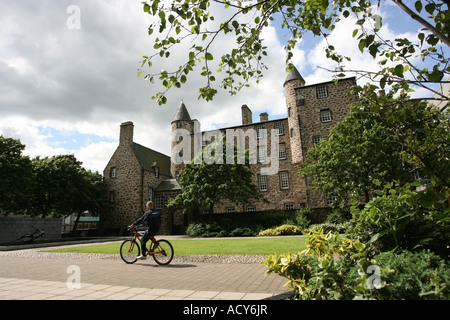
[253, 246]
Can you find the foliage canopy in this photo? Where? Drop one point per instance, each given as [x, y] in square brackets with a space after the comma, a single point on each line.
[404, 64]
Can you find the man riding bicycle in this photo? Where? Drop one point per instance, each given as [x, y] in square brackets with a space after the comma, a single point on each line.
[153, 219]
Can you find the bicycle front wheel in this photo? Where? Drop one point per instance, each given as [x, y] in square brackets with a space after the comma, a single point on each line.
[163, 252]
[129, 251]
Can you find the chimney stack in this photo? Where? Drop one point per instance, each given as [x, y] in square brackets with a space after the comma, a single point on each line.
[246, 115]
[263, 117]
[126, 133]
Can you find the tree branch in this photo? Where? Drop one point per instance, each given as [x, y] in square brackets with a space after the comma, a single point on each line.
[423, 22]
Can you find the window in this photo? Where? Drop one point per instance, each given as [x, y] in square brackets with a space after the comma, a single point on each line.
[288, 206]
[112, 196]
[262, 154]
[325, 115]
[262, 180]
[282, 151]
[112, 173]
[157, 170]
[150, 194]
[322, 91]
[259, 132]
[159, 202]
[289, 111]
[284, 180]
[316, 140]
[230, 209]
[292, 132]
[279, 128]
[251, 209]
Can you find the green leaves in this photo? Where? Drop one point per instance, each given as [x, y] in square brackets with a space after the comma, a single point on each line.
[205, 183]
[400, 62]
[16, 177]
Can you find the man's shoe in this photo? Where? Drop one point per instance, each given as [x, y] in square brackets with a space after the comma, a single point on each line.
[142, 257]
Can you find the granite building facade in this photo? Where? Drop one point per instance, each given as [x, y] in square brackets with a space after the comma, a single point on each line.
[136, 174]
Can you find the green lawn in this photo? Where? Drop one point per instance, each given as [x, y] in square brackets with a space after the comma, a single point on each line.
[263, 245]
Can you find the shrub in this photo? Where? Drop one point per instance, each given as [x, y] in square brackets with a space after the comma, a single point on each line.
[329, 227]
[335, 267]
[204, 230]
[316, 273]
[401, 218]
[215, 229]
[242, 232]
[269, 233]
[339, 216]
[283, 230]
[302, 218]
[412, 275]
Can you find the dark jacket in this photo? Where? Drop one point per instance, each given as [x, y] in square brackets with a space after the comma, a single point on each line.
[153, 219]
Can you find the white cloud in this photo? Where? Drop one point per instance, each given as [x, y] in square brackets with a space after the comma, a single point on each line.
[96, 155]
[79, 85]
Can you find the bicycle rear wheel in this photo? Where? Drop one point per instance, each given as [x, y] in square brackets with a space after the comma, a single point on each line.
[129, 251]
[163, 252]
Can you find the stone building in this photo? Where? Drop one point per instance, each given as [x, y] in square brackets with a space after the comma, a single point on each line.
[136, 173]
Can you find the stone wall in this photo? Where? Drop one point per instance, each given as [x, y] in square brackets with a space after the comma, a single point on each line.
[310, 103]
[11, 228]
[124, 189]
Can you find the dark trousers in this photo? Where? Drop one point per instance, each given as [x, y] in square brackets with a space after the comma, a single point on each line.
[151, 231]
[144, 241]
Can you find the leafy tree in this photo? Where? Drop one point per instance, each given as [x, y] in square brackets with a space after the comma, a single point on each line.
[192, 22]
[64, 187]
[206, 183]
[401, 218]
[422, 130]
[359, 151]
[16, 177]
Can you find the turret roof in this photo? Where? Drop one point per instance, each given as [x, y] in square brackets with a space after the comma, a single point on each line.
[182, 113]
[293, 74]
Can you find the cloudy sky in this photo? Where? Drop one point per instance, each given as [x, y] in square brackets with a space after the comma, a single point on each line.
[68, 77]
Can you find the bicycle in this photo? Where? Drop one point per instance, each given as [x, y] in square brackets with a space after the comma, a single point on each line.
[161, 250]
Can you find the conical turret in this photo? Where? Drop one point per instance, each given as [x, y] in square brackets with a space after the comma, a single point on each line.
[182, 114]
[293, 74]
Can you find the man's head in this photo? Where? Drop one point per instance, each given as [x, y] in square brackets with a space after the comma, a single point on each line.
[149, 205]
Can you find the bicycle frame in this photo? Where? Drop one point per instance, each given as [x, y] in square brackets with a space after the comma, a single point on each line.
[138, 235]
[161, 250]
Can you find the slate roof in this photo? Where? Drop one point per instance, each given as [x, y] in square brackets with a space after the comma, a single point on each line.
[293, 75]
[182, 113]
[168, 185]
[149, 159]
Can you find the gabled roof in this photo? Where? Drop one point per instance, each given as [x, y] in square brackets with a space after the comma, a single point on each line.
[149, 159]
[182, 114]
[168, 185]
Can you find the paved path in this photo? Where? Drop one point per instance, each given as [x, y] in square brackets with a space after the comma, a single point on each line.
[47, 277]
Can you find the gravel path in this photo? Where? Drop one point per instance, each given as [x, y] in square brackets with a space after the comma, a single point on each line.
[212, 258]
